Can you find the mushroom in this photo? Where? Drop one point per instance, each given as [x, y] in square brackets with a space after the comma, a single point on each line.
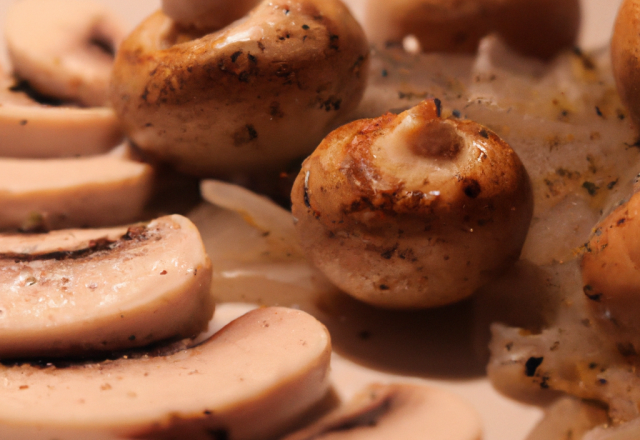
[610, 274]
[251, 380]
[538, 28]
[94, 191]
[206, 14]
[400, 411]
[412, 210]
[255, 95]
[64, 48]
[625, 56]
[122, 288]
[34, 130]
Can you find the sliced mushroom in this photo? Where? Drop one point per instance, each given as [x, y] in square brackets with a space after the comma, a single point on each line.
[249, 381]
[398, 411]
[94, 191]
[149, 284]
[254, 95]
[610, 274]
[64, 48]
[539, 28]
[412, 210]
[34, 130]
[207, 14]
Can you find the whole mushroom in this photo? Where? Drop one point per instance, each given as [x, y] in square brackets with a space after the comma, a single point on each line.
[625, 56]
[257, 94]
[412, 210]
[539, 28]
[610, 274]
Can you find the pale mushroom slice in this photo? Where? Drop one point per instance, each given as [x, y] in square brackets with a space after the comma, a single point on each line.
[398, 411]
[64, 48]
[34, 130]
[251, 380]
[150, 284]
[45, 194]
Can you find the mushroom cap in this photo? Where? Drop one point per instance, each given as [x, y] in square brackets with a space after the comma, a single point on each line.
[150, 284]
[412, 210]
[250, 380]
[610, 273]
[207, 14]
[401, 411]
[625, 56]
[538, 28]
[257, 94]
[64, 47]
[92, 191]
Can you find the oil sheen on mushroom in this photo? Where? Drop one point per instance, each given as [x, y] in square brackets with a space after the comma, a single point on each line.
[249, 381]
[62, 294]
[610, 274]
[412, 210]
[257, 94]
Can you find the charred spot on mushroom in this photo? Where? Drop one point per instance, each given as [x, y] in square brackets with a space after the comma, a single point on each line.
[531, 366]
[245, 135]
[472, 188]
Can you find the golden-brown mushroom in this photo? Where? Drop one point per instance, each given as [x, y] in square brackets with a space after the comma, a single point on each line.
[534, 27]
[256, 94]
[611, 280]
[625, 56]
[412, 210]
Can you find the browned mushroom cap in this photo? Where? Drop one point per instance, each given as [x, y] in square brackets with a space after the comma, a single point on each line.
[412, 210]
[535, 27]
[625, 56]
[256, 94]
[397, 411]
[207, 14]
[249, 381]
[64, 293]
[610, 273]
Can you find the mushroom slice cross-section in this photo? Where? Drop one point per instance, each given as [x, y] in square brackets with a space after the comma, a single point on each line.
[31, 129]
[149, 284]
[402, 411]
[93, 191]
[249, 381]
[64, 48]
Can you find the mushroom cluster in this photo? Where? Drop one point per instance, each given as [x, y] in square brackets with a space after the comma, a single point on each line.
[105, 332]
[102, 317]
